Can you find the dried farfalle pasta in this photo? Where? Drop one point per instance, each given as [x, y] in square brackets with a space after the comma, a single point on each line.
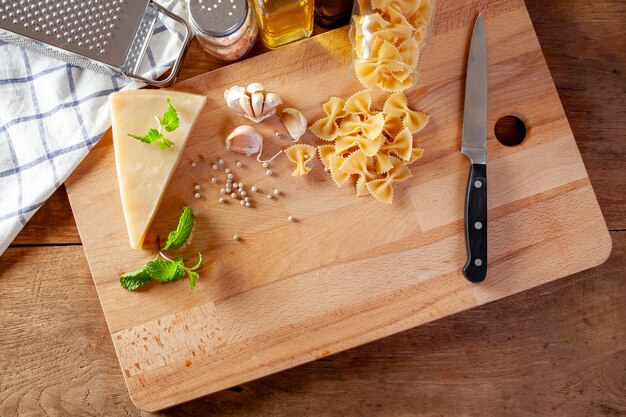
[326, 128]
[300, 154]
[381, 163]
[326, 152]
[370, 147]
[397, 105]
[398, 23]
[367, 141]
[396, 14]
[356, 164]
[421, 18]
[395, 34]
[338, 176]
[382, 189]
[386, 60]
[388, 37]
[373, 22]
[351, 118]
[383, 35]
[359, 102]
[402, 145]
[371, 127]
[409, 50]
[393, 125]
[405, 7]
[392, 82]
[416, 154]
[361, 186]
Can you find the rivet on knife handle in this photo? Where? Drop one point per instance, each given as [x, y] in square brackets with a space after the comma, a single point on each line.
[476, 224]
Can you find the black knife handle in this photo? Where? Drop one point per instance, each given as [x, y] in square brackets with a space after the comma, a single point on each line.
[475, 270]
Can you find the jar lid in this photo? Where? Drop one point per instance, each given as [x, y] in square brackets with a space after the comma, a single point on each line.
[218, 18]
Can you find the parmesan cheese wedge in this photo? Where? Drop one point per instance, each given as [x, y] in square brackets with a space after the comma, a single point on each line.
[144, 169]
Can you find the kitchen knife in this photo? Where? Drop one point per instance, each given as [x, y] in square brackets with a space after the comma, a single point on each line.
[474, 146]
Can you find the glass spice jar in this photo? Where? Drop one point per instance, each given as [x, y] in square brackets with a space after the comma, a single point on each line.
[226, 29]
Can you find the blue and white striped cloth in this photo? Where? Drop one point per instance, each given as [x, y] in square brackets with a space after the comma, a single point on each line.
[52, 114]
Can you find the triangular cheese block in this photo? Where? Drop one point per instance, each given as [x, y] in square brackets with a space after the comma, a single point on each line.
[144, 169]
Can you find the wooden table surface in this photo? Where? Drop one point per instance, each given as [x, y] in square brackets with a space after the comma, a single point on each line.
[557, 350]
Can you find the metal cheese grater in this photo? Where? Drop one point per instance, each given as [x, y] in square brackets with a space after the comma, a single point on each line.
[109, 36]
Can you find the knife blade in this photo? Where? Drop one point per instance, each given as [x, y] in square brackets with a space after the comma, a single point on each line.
[474, 147]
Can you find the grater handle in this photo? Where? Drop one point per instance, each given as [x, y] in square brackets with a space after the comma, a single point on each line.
[176, 68]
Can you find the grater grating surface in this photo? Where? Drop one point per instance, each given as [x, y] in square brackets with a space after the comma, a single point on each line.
[102, 30]
[105, 35]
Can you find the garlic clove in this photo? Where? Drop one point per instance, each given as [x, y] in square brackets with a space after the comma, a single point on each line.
[246, 106]
[244, 140]
[257, 103]
[254, 88]
[272, 101]
[295, 123]
[252, 102]
[232, 96]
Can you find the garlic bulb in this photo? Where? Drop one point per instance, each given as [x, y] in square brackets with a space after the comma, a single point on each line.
[295, 123]
[244, 140]
[252, 102]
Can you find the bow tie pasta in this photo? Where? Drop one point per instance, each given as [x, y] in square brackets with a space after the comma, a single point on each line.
[375, 148]
[388, 37]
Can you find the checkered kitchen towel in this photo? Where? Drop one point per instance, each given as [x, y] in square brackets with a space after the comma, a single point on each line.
[52, 114]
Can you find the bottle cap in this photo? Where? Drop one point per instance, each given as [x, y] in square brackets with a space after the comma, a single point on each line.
[218, 18]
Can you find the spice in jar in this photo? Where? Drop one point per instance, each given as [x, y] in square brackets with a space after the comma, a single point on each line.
[226, 29]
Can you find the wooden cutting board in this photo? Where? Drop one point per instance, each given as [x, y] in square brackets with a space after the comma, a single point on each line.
[350, 270]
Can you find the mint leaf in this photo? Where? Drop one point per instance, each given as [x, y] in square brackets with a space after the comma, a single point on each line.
[165, 271]
[170, 121]
[193, 276]
[133, 280]
[154, 136]
[165, 143]
[180, 236]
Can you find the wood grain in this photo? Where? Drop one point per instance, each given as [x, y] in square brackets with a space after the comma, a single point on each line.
[589, 68]
[556, 350]
[332, 294]
[589, 78]
[56, 357]
[52, 224]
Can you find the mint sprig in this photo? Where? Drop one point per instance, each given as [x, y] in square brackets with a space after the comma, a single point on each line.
[169, 122]
[167, 270]
[181, 235]
[154, 136]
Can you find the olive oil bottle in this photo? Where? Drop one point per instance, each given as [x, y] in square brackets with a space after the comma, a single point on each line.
[284, 21]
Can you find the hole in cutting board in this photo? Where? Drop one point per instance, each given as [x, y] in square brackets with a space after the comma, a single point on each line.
[510, 130]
